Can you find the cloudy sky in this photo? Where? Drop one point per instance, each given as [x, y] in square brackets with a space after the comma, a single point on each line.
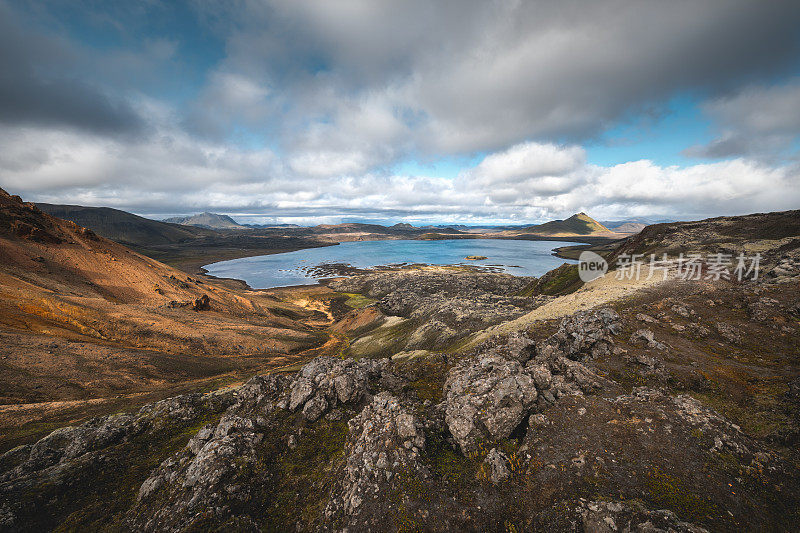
[383, 110]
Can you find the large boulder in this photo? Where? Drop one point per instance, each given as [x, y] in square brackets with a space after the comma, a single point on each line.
[489, 395]
[585, 335]
[326, 382]
[486, 399]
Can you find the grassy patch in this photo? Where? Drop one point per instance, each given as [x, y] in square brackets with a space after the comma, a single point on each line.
[762, 415]
[558, 282]
[300, 480]
[357, 301]
[669, 492]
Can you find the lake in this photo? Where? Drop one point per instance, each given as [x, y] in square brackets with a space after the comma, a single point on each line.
[521, 258]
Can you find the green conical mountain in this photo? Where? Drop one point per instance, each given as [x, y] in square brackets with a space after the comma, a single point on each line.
[578, 224]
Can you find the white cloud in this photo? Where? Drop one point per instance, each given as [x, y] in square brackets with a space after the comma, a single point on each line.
[466, 76]
[172, 173]
[540, 166]
[343, 91]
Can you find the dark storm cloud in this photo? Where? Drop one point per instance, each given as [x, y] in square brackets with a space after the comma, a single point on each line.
[36, 87]
[308, 108]
[479, 75]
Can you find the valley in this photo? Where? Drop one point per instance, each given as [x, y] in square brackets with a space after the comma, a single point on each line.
[433, 397]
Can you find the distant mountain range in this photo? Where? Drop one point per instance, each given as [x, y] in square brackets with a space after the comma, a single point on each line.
[206, 230]
[631, 225]
[628, 227]
[125, 227]
[207, 220]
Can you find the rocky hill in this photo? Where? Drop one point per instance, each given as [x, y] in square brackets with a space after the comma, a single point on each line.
[578, 224]
[185, 246]
[774, 236]
[207, 220]
[461, 400]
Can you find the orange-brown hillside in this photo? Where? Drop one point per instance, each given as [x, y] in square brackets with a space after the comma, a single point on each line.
[82, 317]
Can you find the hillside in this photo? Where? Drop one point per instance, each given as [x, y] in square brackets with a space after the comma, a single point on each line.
[775, 236]
[207, 220]
[579, 224]
[85, 319]
[445, 399]
[184, 246]
[124, 227]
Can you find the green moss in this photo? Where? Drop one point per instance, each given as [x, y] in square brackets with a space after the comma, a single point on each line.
[426, 377]
[27, 433]
[558, 282]
[358, 301]
[760, 415]
[298, 482]
[671, 493]
[452, 468]
[529, 289]
[384, 341]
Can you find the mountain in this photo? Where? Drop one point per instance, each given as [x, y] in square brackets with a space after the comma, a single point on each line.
[376, 230]
[628, 227]
[188, 247]
[262, 226]
[632, 225]
[207, 220]
[85, 318]
[578, 224]
[125, 227]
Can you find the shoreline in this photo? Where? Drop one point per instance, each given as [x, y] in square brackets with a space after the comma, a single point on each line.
[196, 266]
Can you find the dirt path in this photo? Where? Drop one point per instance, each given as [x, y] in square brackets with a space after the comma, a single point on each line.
[593, 294]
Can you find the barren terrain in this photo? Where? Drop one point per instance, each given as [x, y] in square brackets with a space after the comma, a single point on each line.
[404, 399]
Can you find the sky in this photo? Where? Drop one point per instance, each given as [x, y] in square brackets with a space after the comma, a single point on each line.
[474, 112]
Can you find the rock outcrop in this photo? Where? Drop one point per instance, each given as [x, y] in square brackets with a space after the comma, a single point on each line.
[488, 396]
[326, 382]
[610, 516]
[647, 338]
[444, 306]
[200, 479]
[63, 454]
[586, 334]
[486, 399]
[383, 452]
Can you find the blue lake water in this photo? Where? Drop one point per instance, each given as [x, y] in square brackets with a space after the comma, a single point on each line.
[521, 258]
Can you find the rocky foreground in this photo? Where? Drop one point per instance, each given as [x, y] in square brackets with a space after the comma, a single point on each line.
[675, 408]
[601, 424]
